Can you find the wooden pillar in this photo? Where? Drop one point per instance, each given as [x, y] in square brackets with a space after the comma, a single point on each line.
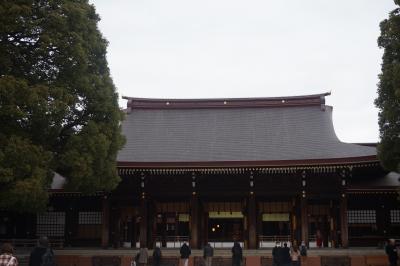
[304, 219]
[134, 225]
[343, 221]
[152, 226]
[71, 220]
[143, 222]
[332, 224]
[293, 224]
[252, 222]
[194, 221]
[116, 228]
[205, 231]
[105, 226]
[201, 226]
[164, 230]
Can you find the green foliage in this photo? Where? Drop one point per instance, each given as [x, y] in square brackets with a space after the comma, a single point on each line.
[388, 100]
[58, 106]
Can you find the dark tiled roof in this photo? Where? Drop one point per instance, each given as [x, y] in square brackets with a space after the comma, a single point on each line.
[389, 180]
[238, 134]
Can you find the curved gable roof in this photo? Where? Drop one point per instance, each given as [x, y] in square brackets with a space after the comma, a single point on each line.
[269, 130]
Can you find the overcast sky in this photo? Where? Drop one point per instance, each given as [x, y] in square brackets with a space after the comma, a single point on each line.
[252, 48]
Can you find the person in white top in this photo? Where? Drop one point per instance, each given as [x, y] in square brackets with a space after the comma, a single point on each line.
[295, 256]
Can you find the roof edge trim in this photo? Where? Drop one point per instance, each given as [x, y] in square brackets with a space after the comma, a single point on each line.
[277, 163]
[283, 101]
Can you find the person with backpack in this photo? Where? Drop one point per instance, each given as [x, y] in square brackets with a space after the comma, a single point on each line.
[237, 254]
[276, 254]
[143, 256]
[208, 253]
[391, 252]
[285, 255]
[156, 256]
[303, 249]
[42, 255]
[185, 253]
[6, 257]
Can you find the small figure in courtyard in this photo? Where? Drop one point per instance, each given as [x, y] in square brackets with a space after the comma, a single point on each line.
[42, 255]
[156, 256]
[285, 257]
[6, 257]
[237, 254]
[208, 253]
[318, 238]
[276, 254]
[391, 251]
[303, 249]
[143, 256]
[185, 253]
[295, 256]
[135, 260]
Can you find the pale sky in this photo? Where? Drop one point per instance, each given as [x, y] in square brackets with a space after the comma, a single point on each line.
[252, 48]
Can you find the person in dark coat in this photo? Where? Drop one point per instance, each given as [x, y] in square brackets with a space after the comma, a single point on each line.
[156, 256]
[286, 260]
[208, 254]
[303, 249]
[35, 259]
[185, 253]
[391, 252]
[237, 254]
[276, 254]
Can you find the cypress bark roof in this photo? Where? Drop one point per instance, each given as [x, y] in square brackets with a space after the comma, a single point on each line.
[280, 130]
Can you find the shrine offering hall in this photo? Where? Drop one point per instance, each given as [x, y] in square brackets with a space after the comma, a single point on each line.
[252, 170]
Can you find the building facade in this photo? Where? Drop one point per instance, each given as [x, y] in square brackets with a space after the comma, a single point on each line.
[253, 170]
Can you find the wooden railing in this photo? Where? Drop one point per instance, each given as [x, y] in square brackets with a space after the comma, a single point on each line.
[218, 243]
[269, 241]
[172, 241]
[29, 243]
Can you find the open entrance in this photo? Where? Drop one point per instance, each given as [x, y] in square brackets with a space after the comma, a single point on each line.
[321, 225]
[275, 223]
[275, 228]
[224, 223]
[224, 228]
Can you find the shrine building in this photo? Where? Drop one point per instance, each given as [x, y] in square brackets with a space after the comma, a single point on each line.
[252, 170]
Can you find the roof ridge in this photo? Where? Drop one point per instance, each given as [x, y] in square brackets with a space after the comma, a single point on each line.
[281, 101]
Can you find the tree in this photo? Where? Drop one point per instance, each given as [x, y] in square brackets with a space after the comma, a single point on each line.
[388, 100]
[58, 106]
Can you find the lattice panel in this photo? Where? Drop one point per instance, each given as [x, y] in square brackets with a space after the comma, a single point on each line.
[361, 216]
[50, 224]
[395, 216]
[90, 217]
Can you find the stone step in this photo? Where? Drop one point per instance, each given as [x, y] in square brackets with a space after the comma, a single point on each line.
[218, 252]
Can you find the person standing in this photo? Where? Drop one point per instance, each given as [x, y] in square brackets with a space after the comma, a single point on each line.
[185, 253]
[319, 238]
[285, 255]
[156, 256]
[276, 253]
[143, 256]
[42, 255]
[6, 257]
[391, 252]
[303, 249]
[208, 253]
[237, 254]
[295, 256]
